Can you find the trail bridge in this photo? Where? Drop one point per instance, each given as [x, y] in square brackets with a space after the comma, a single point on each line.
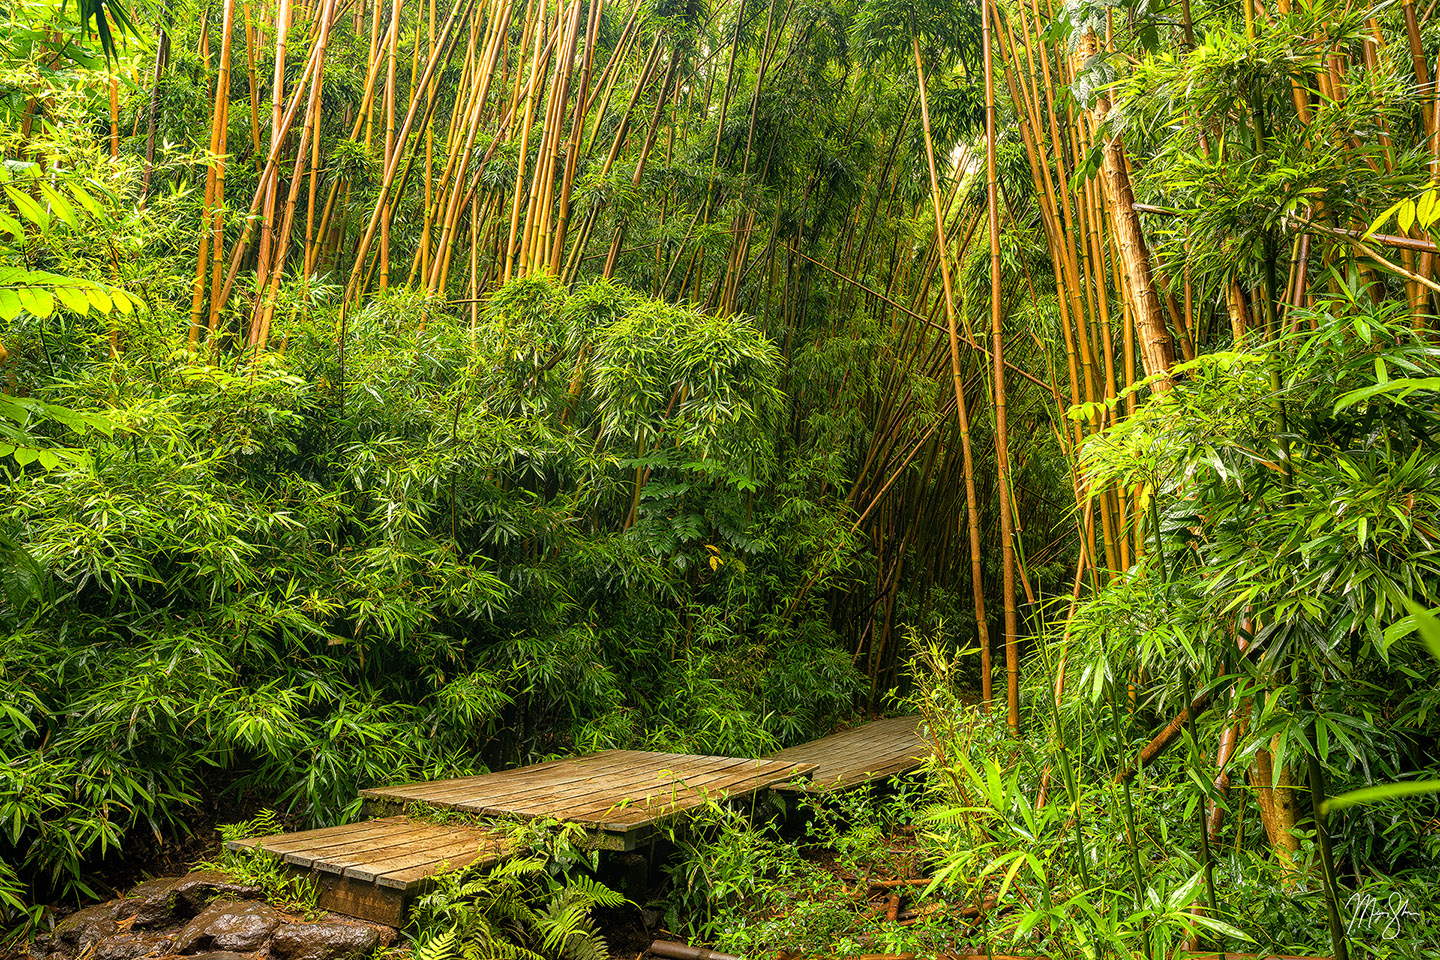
[373, 869]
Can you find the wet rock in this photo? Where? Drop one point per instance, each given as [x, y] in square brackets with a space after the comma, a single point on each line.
[133, 946]
[220, 955]
[41, 948]
[228, 926]
[323, 941]
[80, 931]
[151, 904]
[194, 892]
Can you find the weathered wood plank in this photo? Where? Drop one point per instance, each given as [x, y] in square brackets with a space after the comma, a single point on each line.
[307, 855]
[540, 774]
[458, 851]
[866, 753]
[642, 784]
[367, 901]
[585, 789]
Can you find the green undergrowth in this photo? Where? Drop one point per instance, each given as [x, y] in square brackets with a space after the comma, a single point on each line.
[1068, 877]
[536, 905]
[753, 882]
[254, 867]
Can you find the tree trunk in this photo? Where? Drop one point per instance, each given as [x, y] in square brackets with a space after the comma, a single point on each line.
[1157, 350]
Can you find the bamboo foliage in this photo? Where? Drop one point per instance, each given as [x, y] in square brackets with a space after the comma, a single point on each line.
[572, 138]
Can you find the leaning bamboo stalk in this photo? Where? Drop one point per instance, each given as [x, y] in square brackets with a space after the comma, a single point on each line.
[622, 132]
[972, 511]
[459, 161]
[309, 131]
[390, 56]
[537, 215]
[271, 164]
[250, 44]
[1157, 350]
[442, 262]
[645, 151]
[211, 208]
[162, 57]
[372, 71]
[526, 126]
[997, 339]
[114, 116]
[270, 184]
[572, 153]
[388, 180]
[217, 240]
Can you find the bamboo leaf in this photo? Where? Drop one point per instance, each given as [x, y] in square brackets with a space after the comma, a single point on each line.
[60, 206]
[28, 208]
[1384, 791]
[1405, 216]
[1428, 210]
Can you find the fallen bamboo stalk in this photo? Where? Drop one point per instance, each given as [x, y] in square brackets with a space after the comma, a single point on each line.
[890, 884]
[681, 951]
[965, 913]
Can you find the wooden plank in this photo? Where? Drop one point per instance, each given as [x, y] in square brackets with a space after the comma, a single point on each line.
[305, 839]
[644, 812]
[367, 901]
[341, 861]
[871, 751]
[498, 795]
[396, 836]
[460, 850]
[683, 786]
[647, 780]
[535, 772]
[583, 789]
[406, 874]
[413, 877]
[589, 779]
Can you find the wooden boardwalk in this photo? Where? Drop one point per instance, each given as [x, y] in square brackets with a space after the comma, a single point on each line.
[375, 868]
[871, 751]
[622, 795]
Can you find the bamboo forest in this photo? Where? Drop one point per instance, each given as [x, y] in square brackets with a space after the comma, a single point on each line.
[704, 479]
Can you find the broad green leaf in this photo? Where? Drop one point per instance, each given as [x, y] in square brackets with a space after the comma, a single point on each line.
[85, 200]
[73, 299]
[37, 300]
[1381, 220]
[98, 298]
[1220, 927]
[1404, 386]
[1428, 209]
[10, 305]
[1428, 626]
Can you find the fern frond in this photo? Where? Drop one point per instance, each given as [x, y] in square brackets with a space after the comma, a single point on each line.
[559, 923]
[595, 893]
[441, 947]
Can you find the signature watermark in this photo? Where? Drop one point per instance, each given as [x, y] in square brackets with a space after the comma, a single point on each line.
[1383, 914]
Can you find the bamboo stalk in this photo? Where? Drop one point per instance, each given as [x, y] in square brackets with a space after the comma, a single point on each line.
[972, 511]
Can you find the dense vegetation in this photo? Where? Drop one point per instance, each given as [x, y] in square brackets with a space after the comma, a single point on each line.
[399, 390]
